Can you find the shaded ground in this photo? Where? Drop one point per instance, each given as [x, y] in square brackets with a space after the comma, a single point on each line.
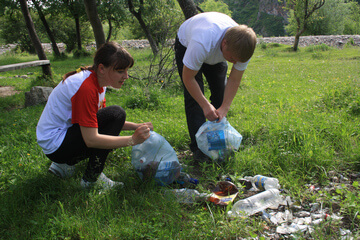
[6, 91]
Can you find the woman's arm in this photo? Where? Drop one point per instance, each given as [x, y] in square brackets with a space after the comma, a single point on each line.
[93, 139]
[133, 126]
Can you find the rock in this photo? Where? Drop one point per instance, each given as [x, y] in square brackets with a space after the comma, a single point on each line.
[37, 95]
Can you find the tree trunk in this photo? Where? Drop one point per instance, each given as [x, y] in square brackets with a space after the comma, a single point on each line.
[91, 11]
[138, 16]
[78, 35]
[34, 37]
[50, 34]
[296, 42]
[188, 7]
[110, 30]
[299, 32]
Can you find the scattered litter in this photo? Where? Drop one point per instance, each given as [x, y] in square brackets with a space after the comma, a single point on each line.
[224, 193]
[185, 180]
[188, 196]
[256, 203]
[283, 217]
[263, 183]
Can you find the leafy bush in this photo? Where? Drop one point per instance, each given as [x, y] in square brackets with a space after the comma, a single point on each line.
[142, 99]
[12, 21]
[319, 47]
[81, 53]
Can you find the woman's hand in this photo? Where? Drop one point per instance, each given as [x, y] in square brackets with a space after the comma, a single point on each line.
[141, 134]
[149, 124]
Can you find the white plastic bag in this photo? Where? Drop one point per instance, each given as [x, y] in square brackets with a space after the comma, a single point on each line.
[218, 140]
[155, 157]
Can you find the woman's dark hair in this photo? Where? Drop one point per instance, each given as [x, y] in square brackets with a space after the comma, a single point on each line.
[109, 54]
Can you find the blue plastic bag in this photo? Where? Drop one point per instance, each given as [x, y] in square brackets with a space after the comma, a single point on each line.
[218, 140]
[156, 158]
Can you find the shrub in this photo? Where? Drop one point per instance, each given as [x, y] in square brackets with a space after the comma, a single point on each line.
[320, 47]
[148, 99]
[81, 53]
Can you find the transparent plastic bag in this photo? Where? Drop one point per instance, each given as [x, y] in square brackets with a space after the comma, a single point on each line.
[156, 158]
[218, 140]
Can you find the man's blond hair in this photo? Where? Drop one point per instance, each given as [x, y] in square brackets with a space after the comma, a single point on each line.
[241, 40]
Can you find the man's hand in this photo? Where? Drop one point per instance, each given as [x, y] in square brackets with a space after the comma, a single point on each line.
[210, 113]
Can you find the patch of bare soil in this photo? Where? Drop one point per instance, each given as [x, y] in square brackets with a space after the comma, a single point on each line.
[6, 91]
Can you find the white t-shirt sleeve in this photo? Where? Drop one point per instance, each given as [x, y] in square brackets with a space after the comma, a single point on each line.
[241, 66]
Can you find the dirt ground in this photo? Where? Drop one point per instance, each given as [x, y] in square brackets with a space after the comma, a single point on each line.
[6, 91]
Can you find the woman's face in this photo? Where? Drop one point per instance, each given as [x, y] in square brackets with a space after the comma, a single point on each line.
[116, 77]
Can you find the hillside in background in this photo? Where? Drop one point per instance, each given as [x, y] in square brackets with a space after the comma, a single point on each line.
[266, 17]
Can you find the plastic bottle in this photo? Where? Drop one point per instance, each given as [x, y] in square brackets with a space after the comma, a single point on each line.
[246, 183]
[155, 158]
[256, 203]
[186, 195]
[263, 183]
[185, 179]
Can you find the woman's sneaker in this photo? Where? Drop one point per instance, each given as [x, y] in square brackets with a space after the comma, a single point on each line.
[102, 182]
[61, 170]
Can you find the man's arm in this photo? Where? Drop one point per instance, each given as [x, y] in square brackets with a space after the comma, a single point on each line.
[194, 89]
[231, 89]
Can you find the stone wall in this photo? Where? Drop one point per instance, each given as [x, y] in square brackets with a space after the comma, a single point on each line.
[330, 40]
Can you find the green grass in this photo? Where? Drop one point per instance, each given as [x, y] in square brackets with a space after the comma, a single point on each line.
[299, 116]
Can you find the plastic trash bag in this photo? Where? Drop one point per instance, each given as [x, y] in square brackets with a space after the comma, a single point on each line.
[156, 158]
[218, 140]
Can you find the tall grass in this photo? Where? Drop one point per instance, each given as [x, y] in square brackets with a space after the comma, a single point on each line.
[298, 114]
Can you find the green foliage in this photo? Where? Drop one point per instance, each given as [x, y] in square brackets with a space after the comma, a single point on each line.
[269, 25]
[215, 6]
[143, 99]
[247, 12]
[42, 80]
[350, 42]
[116, 14]
[319, 47]
[329, 19]
[162, 18]
[264, 45]
[352, 22]
[63, 28]
[64, 31]
[81, 53]
[336, 17]
[15, 20]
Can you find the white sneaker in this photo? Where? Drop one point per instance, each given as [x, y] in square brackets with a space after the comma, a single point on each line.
[61, 170]
[103, 182]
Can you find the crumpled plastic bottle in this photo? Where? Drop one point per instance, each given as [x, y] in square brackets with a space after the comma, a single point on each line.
[155, 158]
[256, 203]
[188, 196]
